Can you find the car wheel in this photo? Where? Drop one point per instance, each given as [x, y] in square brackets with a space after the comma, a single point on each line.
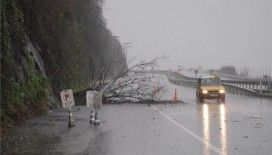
[223, 99]
[201, 99]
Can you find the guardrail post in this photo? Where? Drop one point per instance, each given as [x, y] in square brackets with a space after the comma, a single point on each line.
[260, 87]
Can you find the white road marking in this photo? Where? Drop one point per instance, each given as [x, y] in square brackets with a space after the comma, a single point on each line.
[212, 147]
[182, 113]
[179, 113]
[252, 115]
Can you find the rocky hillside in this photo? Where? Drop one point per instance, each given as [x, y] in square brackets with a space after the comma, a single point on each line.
[47, 46]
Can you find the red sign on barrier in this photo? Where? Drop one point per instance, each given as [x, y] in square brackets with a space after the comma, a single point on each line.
[67, 98]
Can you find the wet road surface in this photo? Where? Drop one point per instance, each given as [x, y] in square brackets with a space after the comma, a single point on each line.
[241, 125]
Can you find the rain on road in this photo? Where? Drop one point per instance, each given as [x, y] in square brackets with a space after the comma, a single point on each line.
[241, 125]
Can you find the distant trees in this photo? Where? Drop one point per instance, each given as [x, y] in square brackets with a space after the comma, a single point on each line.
[244, 72]
[228, 70]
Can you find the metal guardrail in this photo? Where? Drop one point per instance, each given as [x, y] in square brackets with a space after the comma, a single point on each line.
[246, 89]
[179, 78]
[241, 78]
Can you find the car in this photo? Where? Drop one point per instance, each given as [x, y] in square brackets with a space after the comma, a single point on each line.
[210, 87]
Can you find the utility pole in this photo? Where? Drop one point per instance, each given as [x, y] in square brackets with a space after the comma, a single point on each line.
[115, 51]
[196, 72]
[126, 45]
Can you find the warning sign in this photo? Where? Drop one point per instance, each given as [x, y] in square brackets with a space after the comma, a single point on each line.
[67, 98]
[94, 99]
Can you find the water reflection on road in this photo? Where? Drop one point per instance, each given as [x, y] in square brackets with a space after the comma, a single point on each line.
[206, 127]
[205, 110]
[223, 129]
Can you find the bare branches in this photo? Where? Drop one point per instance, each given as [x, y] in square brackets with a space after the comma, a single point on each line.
[132, 84]
[98, 82]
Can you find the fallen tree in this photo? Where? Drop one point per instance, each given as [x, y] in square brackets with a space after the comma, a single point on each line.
[131, 85]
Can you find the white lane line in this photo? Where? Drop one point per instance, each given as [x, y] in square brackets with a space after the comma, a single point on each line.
[212, 147]
[191, 113]
[252, 115]
[182, 113]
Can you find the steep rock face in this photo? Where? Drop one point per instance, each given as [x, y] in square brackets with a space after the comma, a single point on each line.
[47, 46]
[73, 39]
[37, 57]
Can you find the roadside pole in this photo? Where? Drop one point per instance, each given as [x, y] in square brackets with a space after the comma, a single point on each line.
[196, 72]
[115, 52]
[71, 122]
[260, 87]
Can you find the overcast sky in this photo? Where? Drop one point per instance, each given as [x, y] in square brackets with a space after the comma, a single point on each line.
[209, 33]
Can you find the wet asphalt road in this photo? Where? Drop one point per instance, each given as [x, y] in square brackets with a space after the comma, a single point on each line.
[241, 125]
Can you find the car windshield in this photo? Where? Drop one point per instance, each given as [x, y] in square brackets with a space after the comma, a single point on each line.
[210, 82]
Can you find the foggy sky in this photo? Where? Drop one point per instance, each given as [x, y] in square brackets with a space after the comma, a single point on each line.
[209, 33]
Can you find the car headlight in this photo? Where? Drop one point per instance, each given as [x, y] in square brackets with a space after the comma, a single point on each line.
[205, 91]
[221, 91]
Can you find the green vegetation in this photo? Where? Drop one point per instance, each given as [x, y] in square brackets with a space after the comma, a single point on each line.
[73, 41]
